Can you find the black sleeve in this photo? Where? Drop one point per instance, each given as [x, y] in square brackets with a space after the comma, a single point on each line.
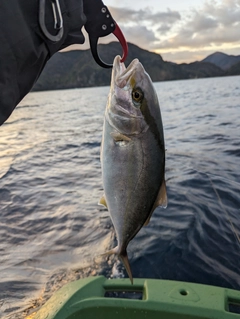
[25, 49]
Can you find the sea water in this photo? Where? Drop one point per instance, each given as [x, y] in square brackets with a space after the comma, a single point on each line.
[52, 230]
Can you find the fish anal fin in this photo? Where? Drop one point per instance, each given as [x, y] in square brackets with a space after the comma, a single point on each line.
[161, 200]
[102, 201]
[118, 137]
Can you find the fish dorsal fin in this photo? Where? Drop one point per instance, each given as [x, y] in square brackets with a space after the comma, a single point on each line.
[118, 137]
[161, 200]
[102, 201]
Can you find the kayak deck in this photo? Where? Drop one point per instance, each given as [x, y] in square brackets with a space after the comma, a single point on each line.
[98, 297]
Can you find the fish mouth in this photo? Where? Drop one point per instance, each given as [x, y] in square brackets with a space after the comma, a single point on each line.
[122, 113]
[124, 77]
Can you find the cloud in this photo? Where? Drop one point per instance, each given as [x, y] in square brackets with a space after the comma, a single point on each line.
[126, 15]
[212, 25]
[193, 55]
[140, 35]
[201, 22]
[206, 38]
[145, 27]
[164, 28]
[227, 11]
[146, 21]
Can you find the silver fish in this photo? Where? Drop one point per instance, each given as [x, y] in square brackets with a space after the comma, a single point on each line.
[132, 154]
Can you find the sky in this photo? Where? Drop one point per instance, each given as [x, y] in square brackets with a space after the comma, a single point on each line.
[179, 30]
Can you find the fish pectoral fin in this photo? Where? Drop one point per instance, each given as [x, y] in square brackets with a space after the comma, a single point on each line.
[118, 137]
[161, 200]
[102, 201]
[110, 252]
[148, 220]
[162, 196]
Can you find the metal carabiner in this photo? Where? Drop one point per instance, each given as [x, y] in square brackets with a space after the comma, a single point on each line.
[58, 20]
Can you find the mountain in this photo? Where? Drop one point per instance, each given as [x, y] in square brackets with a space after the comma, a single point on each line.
[200, 70]
[74, 69]
[234, 70]
[222, 60]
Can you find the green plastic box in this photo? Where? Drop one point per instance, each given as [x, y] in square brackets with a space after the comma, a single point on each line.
[100, 298]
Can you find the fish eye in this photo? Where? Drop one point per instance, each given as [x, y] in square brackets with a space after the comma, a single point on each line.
[137, 96]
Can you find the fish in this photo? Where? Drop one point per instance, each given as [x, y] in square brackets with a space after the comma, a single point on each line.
[132, 154]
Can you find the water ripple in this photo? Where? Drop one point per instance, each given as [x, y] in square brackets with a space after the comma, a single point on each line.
[52, 231]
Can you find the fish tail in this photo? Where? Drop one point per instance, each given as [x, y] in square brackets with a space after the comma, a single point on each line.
[124, 257]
